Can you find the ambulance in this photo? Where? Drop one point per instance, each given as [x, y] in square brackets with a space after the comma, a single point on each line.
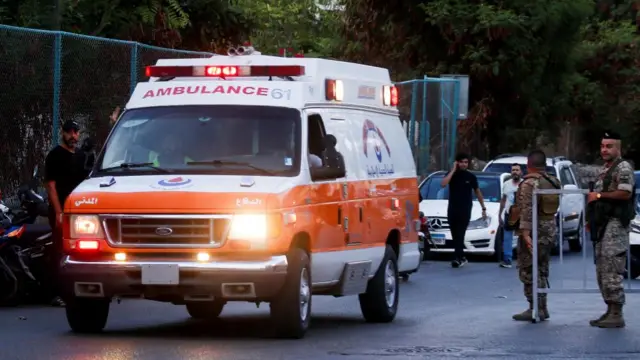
[247, 178]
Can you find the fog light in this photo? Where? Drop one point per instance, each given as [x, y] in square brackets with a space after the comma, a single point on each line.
[203, 257]
[120, 256]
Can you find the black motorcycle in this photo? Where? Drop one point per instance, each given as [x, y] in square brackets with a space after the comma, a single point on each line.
[23, 253]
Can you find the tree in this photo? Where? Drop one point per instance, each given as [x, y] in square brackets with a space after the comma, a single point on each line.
[307, 26]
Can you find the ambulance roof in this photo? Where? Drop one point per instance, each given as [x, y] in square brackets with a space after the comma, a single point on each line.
[362, 85]
[314, 68]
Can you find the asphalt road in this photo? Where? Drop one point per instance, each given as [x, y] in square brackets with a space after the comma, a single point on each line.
[444, 313]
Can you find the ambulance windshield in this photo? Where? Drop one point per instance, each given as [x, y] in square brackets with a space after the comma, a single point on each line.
[205, 139]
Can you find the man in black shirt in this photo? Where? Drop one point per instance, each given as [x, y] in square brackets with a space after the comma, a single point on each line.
[461, 182]
[64, 171]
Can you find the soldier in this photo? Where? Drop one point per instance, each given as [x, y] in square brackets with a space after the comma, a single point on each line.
[536, 178]
[611, 204]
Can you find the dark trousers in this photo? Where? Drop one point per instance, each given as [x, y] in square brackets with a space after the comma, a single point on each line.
[458, 223]
[54, 256]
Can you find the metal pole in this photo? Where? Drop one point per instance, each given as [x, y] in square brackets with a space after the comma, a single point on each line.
[534, 260]
[425, 159]
[57, 84]
[412, 120]
[455, 113]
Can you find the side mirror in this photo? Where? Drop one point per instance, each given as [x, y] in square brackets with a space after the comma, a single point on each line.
[326, 173]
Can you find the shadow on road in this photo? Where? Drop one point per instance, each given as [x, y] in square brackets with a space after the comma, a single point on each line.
[235, 327]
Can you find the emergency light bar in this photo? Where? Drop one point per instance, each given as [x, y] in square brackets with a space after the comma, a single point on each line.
[223, 71]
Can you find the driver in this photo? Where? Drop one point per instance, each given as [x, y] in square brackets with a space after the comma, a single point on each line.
[170, 153]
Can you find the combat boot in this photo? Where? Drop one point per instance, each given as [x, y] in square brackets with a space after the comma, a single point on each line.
[525, 315]
[614, 319]
[543, 311]
[595, 322]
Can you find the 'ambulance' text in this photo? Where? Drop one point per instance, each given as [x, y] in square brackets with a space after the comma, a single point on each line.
[225, 90]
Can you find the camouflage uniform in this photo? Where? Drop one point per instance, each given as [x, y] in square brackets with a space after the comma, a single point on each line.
[546, 237]
[611, 250]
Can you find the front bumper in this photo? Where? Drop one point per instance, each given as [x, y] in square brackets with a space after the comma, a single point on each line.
[476, 241]
[174, 281]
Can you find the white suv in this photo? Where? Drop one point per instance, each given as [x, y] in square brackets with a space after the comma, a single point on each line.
[571, 206]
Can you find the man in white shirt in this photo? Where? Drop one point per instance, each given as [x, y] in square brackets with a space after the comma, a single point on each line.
[509, 189]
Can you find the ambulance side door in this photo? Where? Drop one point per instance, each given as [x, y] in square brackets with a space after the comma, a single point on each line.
[326, 200]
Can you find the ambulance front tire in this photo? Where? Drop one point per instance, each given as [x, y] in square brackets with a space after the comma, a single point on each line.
[379, 303]
[86, 315]
[291, 309]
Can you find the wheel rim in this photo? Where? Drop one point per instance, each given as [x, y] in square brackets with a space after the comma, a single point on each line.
[305, 294]
[390, 280]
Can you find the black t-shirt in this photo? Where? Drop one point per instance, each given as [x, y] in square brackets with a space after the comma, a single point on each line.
[66, 169]
[461, 186]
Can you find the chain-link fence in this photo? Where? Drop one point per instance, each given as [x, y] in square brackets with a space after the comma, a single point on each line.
[429, 111]
[49, 77]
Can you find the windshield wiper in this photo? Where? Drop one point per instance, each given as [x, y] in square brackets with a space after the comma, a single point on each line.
[138, 165]
[225, 162]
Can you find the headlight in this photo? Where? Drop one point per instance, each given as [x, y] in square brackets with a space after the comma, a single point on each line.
[479, 223]
[249, 227]
[85, 226]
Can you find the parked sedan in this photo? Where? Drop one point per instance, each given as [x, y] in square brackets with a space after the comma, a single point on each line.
[483, 236]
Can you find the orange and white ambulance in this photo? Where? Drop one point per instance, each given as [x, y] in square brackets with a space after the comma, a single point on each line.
[218, 183]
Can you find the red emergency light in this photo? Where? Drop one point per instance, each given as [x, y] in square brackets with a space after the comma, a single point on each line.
[223, 71]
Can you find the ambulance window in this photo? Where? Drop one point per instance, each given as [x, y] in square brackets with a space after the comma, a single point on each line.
[199, 139]
[316, 135]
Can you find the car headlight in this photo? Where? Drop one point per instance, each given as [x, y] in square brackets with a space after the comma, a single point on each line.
[85, 226]
[252, 227]
[479, 223]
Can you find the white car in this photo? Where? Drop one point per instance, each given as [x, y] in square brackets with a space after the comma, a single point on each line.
[481, 234]
[634, 235]
[572, 206]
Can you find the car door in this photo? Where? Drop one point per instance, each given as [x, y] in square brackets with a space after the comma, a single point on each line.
[571, 205]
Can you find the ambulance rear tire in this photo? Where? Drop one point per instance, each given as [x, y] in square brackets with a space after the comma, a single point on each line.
[87, 315]
[379, 304]
[291, 309]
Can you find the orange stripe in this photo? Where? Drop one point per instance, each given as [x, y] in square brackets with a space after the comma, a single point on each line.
[316, 207]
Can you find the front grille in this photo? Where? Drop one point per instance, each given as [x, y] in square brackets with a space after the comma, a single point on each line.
[438, 223]
[166, 231]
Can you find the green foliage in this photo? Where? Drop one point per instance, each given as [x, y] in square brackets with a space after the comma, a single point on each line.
[534, 65]
[302, 25]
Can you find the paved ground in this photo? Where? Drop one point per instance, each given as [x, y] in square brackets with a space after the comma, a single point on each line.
[445, 313]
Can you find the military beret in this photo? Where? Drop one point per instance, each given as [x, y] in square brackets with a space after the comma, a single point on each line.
[610, 135]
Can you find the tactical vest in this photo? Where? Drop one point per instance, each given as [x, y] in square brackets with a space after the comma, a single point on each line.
[623, 211]
[548, 204]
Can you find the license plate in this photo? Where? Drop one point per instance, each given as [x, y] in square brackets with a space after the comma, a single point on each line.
[160, 274]
[438, 239]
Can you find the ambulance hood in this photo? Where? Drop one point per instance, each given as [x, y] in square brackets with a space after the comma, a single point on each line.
[177, 194]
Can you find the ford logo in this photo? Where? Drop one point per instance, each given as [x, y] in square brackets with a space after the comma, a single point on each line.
[164, 231]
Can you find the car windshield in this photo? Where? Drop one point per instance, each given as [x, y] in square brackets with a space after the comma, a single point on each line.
[220, 139]
[506, 168]
[489, 186]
